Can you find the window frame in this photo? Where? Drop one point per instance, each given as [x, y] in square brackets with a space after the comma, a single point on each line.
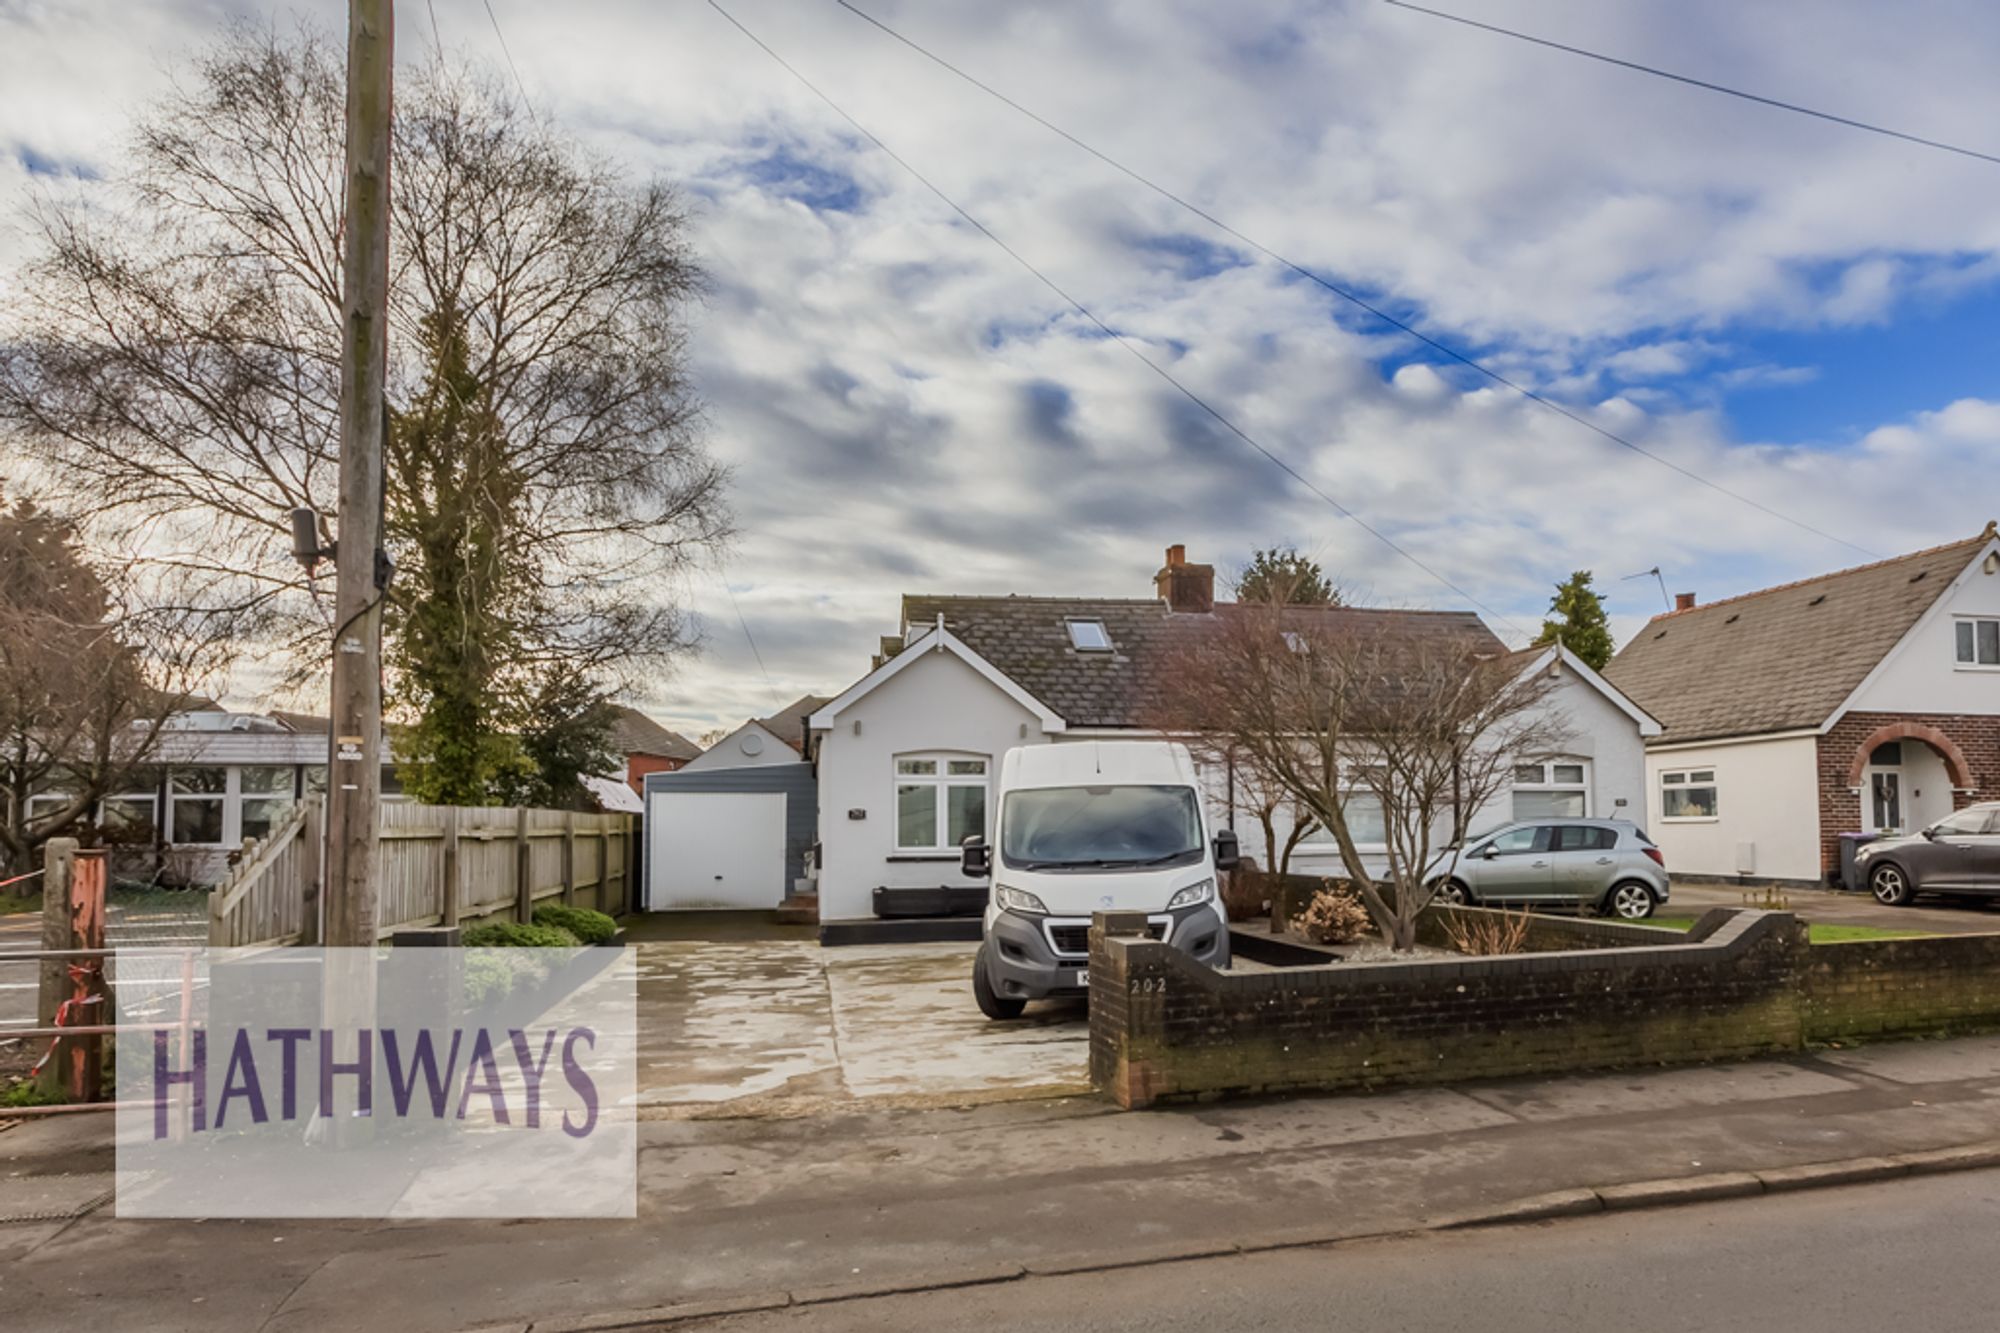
[1975, 624]
[1685, 779]
[1070, 625]
[940, 780]
[171, 832]
[1546, 766]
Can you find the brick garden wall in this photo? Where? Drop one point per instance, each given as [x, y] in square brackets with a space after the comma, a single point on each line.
[1933, 986]
[1742, 983]
[1550, 934]
[1976, 737]
[1164, 1026]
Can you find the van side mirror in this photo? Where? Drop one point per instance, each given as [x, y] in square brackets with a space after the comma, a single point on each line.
[1228, 853]
[975, 858]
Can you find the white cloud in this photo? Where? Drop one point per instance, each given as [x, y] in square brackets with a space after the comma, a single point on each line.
[908, 410]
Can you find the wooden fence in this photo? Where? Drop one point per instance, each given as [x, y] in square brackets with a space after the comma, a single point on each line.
[439, 865]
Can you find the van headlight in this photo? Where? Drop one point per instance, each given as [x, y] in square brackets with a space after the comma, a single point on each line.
[1194, 894]
[1018, 900]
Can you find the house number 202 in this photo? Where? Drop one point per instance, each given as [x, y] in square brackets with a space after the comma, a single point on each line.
[1148, 985]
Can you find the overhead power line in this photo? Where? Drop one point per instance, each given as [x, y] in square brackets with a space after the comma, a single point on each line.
[1351, 297]
[1106, 329]
[516, 70]
[1693, 82]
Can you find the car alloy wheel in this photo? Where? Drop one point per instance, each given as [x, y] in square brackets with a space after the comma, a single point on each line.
[1452, 894]
[1892, 887]
[1634, 902]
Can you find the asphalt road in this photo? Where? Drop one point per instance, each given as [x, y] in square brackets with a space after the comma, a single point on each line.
[18, 980]
[1908, 1255]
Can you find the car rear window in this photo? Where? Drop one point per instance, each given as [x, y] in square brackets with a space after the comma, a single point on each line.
[1584, 838]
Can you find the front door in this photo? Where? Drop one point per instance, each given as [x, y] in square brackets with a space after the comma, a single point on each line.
[1518, 869]
[1884, 800]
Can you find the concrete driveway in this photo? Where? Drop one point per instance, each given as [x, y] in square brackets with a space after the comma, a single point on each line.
[1930, 916]
[784, 1027]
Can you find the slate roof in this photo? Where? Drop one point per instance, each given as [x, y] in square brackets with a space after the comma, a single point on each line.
[1027, 639]
[788, 724]
[635, 733]
[1784, 658]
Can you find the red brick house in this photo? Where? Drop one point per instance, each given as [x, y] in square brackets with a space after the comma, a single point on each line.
[648, 747]
[1856, 702]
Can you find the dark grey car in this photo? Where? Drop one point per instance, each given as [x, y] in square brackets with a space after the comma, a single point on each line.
[1958, 854]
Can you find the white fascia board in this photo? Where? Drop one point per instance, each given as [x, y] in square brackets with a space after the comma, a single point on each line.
[1648, 724]
[1746, 738]
[936, 639]
[1936, 609]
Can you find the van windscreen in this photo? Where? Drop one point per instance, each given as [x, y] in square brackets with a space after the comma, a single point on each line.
[1061, 828]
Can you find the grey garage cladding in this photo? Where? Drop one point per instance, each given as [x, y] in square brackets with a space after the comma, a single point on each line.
[728, 837]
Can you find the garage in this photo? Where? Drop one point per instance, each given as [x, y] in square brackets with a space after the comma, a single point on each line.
[727, 839]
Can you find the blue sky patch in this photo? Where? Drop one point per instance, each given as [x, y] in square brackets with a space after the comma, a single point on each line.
[819, 187]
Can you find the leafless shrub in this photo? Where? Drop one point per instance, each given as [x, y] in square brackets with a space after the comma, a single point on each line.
[1484, 933]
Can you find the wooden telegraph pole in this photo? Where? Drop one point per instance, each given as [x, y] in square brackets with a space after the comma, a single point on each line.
[354, 772]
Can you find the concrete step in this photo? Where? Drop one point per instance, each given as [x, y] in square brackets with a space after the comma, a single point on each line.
[799, 909]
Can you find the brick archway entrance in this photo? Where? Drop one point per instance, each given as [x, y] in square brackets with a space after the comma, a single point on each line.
[1955, 762]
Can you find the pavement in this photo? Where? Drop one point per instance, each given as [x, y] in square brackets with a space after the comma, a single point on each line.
[1913, 1254]
[854, 1197]
[1930, 916]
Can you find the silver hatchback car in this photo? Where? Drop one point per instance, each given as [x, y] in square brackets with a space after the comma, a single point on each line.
[1605, 865]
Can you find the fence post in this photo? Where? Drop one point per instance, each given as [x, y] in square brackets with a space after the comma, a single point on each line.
[58, 861]
[569, 858]
[605, 902]
[312, 863]
[524, 884]
[450, 909]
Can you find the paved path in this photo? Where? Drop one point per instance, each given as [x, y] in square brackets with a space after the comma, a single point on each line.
[738, 1205]
[785, 1027]
[1932, 916]
[1914, 1254]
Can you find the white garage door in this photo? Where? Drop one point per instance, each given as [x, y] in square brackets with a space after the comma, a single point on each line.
[710, 850]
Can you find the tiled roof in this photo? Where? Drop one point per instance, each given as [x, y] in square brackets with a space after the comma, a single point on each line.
[788, 724]
[1783, 658]
[1027, 639]
[635, 733]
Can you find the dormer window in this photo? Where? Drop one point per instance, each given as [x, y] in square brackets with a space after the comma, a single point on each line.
[1089, 636]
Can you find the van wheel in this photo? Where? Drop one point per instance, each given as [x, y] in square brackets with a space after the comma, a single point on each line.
[991, 1003]
[1891, 886]
[1630, 902]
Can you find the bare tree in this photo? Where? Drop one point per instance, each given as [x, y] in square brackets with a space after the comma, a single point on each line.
[90, 680]
[1343, 709]
[173, 356]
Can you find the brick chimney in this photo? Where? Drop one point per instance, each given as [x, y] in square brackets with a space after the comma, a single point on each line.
[1185, 587]
[1683, 601]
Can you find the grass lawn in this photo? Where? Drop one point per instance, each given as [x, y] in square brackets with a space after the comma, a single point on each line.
[1820, 932]
[10, 905]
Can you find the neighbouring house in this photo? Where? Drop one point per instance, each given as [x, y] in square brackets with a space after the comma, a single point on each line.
[907, 755]
[734, 828]
[647, 746]
[216, 778]
[777, 739]
[1856, 702]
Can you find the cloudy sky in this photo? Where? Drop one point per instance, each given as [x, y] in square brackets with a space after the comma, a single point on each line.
[1802, 313]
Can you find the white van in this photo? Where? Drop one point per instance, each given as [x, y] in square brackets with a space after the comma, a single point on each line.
[1093, 826]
